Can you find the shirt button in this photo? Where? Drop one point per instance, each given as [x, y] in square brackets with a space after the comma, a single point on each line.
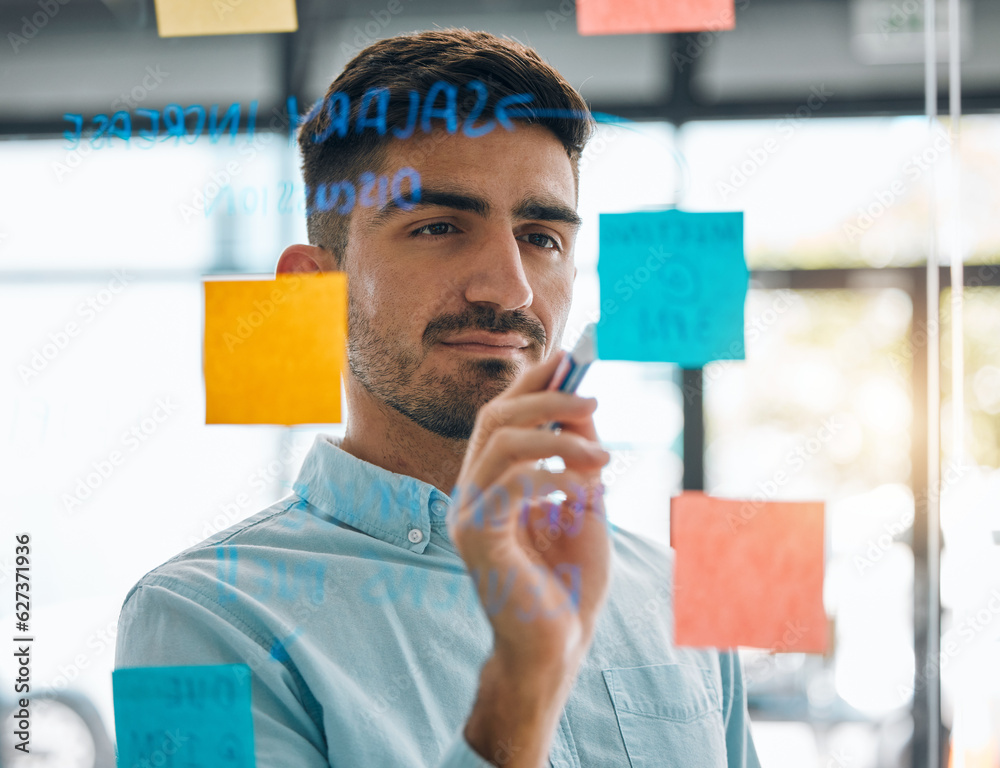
[439, 507]
[415, 535]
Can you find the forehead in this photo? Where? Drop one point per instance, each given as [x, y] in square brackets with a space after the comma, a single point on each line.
[502, 165]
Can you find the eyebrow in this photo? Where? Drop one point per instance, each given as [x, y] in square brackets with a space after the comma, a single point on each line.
[545, 210]
[536, 209]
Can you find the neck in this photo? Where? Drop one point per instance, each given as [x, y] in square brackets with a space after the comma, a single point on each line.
[382, 436]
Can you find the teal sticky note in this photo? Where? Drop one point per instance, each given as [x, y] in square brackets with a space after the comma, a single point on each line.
[195, 717]
[673, 286]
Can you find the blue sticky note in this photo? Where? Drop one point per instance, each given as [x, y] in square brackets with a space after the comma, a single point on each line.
[196, 717]
[673, 286]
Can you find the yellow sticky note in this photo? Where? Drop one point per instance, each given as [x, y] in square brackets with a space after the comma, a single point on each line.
[187, 18]
[274, 349]
[616, 17]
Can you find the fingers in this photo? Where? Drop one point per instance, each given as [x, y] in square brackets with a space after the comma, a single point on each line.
[517, 445]
[580, 426]
[535, 409]
[510, 501]
[527, 403]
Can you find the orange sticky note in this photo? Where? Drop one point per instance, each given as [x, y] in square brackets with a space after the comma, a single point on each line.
[748, 573]
[189, 18]
[274, 349]
[618, 17]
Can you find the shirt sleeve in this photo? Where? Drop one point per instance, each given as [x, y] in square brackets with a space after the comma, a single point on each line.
[739, 743]
[162, 626]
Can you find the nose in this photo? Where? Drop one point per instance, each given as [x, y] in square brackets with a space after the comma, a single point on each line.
[498, 275]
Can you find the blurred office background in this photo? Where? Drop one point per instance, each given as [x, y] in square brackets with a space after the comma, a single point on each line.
[807, 117]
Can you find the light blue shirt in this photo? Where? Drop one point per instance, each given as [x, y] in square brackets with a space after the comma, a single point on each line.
[365, 637]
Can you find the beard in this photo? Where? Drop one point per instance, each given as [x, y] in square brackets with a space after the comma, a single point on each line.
[444, 404]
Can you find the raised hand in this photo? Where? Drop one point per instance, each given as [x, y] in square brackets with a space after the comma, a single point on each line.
[541, 568]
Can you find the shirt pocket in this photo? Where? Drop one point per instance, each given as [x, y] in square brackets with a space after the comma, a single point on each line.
[668, 715]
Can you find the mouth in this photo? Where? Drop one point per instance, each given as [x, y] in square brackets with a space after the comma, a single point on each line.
[478, 341]
[485, 349]
[506, 345]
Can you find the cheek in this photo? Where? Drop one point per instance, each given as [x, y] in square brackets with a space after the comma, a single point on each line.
[362, 288]
[553, 294]
[554, 290]
[400, 300]
[376, 287]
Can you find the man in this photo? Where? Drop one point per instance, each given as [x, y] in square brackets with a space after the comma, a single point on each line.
[351, 601]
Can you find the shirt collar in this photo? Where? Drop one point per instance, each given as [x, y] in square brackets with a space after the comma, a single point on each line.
[395, 508]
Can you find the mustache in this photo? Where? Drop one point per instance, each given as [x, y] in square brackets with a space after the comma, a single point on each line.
[482, 318]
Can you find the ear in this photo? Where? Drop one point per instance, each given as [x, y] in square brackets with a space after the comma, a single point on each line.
[305, 258]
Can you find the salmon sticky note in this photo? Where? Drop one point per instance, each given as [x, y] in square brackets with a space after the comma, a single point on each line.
[616, 17]
[274, 349]
[189, 18]
[748, 573]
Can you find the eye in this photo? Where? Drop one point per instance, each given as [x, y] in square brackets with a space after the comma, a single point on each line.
[436, 228]
[542, 240]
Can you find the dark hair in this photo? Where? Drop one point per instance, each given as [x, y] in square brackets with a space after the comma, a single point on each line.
[415, 62]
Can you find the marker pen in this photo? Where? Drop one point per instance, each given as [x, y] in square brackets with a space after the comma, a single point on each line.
[570, 371]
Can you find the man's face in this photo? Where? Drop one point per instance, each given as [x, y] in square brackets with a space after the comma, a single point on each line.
[450, 300]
